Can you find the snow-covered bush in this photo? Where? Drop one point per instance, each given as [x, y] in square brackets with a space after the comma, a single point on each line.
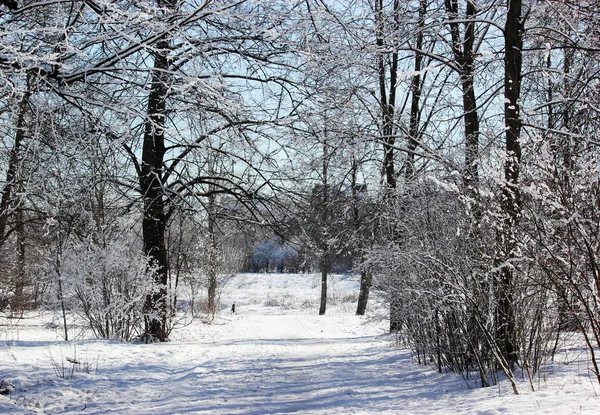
[441, 284]
[106, 287]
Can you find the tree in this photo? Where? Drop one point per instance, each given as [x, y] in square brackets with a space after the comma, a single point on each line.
[322, 213]
[11, 206]
[511, 202]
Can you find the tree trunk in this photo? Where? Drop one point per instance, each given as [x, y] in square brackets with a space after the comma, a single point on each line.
[365, 275]
[154, 217]
[366, 279]
[415, 103]
[212, 258]
[325, 221]
[510, 197]
[212, 295]
[413, 143]
[324, 274]
[61, 295]
[463, 49]
[19, 302]
[11, 172]
[464, 55]
[387, 103]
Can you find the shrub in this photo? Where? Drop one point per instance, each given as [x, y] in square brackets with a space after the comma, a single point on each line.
[106, 286]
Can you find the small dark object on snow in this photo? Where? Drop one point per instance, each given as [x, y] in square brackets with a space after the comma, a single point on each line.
[233, 308]
[11, 4]
[74, 361]
[6, 387]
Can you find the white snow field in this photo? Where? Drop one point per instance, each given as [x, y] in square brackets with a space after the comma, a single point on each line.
[274, 356]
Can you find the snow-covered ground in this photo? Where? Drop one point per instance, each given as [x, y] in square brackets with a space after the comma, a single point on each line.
[275, 355]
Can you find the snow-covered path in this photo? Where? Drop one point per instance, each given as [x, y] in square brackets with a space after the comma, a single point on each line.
[256, 364]
[263, 360]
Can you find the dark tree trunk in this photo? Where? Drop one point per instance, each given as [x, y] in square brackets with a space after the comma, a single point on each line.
[324, 274]
[366, 279]
[463, 49]
[471, 174]
[13, 164]
[151, 184]
[387, 103]
[464, 55]
[212, 258]
[415, 103]
[510, 196]
[19, 301]
[413, 142]
[326, 218]
[61, 296]
[365, 275]
[212, 295]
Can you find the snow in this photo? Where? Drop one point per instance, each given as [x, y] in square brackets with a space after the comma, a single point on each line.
[275, 355]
